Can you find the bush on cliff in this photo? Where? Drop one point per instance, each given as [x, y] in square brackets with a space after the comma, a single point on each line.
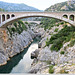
[51, 70]
[63, 36]
[47, 23]
[19, 26]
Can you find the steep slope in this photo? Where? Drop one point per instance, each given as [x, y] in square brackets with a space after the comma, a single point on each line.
[16, 7]
[63, 6]
[1, 9]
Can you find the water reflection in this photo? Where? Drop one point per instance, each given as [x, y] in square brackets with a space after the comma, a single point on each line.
[12, 63]
[21, 62]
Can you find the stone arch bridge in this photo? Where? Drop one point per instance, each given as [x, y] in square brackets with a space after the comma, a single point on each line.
[6, 18]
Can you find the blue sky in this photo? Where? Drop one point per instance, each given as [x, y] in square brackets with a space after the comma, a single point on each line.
[40, 4]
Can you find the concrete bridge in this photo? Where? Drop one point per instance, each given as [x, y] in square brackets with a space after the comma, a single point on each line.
[6, 18]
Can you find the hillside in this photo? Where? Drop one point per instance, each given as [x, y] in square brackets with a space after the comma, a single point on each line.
[16, 7]
[64, 6]
[1, 9]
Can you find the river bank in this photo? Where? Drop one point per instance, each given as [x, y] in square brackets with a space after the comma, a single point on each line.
[61, 63]
[12, 46]
[21, 60]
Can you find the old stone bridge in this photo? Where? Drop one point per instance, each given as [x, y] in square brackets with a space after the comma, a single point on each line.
[6, 18]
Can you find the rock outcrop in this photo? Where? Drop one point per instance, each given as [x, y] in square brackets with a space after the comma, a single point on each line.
[14, 45]
[63, 63]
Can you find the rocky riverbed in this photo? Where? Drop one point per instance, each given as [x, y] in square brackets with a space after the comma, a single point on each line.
[44, 57]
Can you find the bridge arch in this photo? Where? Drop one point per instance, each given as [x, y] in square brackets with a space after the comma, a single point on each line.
[12, 15]
[71, 17]
[27, 15]
[3, 17]
[8, 16]
[65, 16]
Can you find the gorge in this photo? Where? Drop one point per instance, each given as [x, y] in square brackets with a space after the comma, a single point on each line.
[45, 47]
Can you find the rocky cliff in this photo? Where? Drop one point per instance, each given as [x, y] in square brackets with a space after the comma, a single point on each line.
[58, 62]
[64, 6]
[10, 46]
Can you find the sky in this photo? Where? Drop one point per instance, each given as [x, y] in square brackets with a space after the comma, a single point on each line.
[40, 4]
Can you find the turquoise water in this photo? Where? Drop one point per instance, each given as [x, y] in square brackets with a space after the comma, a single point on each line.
[21, 62]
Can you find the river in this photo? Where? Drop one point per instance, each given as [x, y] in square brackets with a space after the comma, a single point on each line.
[21, 63]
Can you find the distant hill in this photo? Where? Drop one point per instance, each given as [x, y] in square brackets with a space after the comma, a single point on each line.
[2, 9]
[16, 7]
[63, 6]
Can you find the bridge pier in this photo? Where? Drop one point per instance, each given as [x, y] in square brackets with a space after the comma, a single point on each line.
[74, 19]
[68, 17]
[0, 19]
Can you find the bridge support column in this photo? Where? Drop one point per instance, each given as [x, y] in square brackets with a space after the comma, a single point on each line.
[68, 17]
[1, 18]
[5, 17]
[74, 19]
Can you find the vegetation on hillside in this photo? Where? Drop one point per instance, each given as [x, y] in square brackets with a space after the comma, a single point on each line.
[64, 35]
[2, 9]
[63, 6]
[18, 27]
[47, 23]
[51, 70]
[16, 7]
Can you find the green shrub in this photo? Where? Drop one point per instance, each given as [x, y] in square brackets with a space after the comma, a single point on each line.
[15, 24]
[68, 38]
[72, 43]
[20, 28]
[62, 22]
[58, 24]
[62, 52]
[24, 27]
[17, 28]
[20, 22]
[47, 23]
[9, 30]
[64, 35]
[65, 26]
[57, 45]
[51, 70]
[56, 30]
[26, 22]
[13, 29]
[47, 43]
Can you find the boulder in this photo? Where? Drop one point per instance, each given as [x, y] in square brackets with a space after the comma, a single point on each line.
[35, 53]
[39, 45]
[34, 71]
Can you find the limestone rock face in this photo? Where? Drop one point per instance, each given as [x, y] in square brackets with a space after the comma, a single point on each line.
[2, 59]
[15, 45]
[35, 53]
[61, 62]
